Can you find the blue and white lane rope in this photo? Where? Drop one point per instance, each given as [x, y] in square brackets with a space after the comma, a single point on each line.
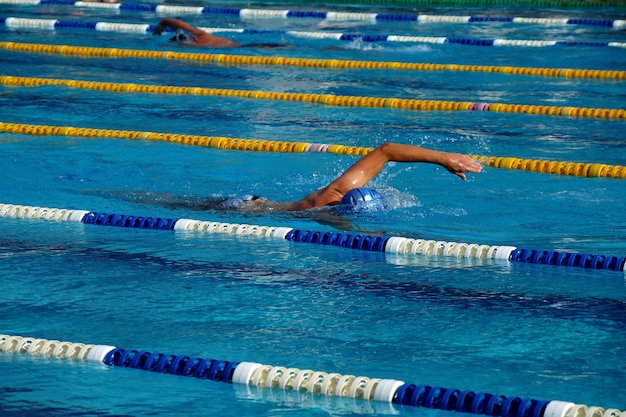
[374, 243]
[323, 15]
[305, 381]
[53, 24]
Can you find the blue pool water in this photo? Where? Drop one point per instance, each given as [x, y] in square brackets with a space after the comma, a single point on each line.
[533, 331]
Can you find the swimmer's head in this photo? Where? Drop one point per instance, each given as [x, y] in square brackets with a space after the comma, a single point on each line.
[249, 203]
[181, 37]
[361, 200]
[236, 203]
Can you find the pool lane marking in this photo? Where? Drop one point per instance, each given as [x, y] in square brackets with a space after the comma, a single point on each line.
[53, 24]
[326, 15]
[324, 99]
[316, 383]
[357, 241]
[578, 169]
[229, 59]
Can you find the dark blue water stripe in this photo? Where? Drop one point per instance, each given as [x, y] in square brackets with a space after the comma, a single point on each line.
[601, 312]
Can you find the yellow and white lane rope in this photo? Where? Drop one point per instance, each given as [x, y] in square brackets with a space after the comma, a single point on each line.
[579, 169]
[228, 59]
[325, 99]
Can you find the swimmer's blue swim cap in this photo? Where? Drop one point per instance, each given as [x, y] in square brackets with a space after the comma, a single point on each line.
[359, 200]
[235, 203]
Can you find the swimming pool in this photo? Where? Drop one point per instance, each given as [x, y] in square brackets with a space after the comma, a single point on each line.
[536, 331]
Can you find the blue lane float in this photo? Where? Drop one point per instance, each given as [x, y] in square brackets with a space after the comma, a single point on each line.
[53, 24]
[304, 380]
[324, 15]
[360, 241]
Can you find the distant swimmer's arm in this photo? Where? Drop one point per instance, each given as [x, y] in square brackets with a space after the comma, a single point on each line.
[200, 37]
[176, 24]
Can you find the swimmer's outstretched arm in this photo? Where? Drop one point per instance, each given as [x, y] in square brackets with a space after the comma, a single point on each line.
[366, 168]
[201, 38]
[176, 24]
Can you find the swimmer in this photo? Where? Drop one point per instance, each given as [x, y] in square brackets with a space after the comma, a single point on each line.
[192, 35]
[189, 35]
[345, 195]
[357, 177]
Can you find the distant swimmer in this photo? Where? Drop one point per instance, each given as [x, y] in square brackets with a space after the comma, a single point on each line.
[189, 35]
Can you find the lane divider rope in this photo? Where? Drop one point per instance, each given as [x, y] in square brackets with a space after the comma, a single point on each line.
[53, 24]
[445, 40]
[303, 380]
[553, 4]
[578, 169]
[323, 15]
[360, 241]
[227, 59]
[325, 99]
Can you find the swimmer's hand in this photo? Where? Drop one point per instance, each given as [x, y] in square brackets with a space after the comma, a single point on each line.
[158, 29]
[458, 164]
